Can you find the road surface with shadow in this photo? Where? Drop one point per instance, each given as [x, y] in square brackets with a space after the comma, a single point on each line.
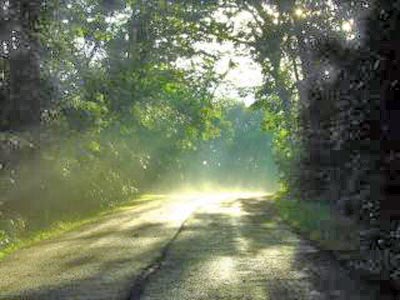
[238, 250]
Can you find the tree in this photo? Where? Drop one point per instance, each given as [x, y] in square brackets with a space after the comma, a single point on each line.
[21, 50]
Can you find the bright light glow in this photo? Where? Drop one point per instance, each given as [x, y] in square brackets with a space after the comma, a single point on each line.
[347, 26]
[120, 17]
[194, 200]
[79, 42]
[183, 212]
[211, 194]
[87, 47]
[351, 37]
[246, 74]
[299, 12]
[270, 10]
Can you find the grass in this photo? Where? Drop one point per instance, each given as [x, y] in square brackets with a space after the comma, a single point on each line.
[319, 223]
[70, 224]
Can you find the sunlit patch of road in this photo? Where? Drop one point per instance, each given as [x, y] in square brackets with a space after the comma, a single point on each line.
[233, 247]
[226, 245]
[101, 260]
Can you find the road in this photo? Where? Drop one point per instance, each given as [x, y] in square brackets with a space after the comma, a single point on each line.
[180, 247]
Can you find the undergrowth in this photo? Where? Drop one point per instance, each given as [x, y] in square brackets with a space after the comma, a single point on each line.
[54, 230]
[320, 223]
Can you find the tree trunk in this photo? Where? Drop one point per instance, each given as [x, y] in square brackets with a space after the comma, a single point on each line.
[25, 67]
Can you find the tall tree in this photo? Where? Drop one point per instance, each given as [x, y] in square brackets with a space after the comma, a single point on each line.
[23, 51]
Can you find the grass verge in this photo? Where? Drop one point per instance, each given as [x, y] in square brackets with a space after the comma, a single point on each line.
[70, 224]
[319, 223]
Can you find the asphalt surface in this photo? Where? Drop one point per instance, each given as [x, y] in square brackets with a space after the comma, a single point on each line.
[223, 247]
[98, 261]
[238, 250]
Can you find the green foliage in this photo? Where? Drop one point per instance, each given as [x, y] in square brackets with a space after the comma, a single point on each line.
[239, 155]
[320, 223]
[9, 244]
[117, 112]
[119, 115]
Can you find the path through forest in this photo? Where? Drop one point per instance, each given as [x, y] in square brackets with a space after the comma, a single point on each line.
[224, 247]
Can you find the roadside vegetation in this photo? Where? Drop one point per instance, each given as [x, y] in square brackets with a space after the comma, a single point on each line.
[318, 222]
[102, 101]
[67, 224]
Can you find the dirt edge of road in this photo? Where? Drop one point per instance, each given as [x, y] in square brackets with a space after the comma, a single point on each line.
[389, 289]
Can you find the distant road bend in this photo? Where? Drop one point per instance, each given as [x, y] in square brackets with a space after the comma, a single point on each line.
[187, 247]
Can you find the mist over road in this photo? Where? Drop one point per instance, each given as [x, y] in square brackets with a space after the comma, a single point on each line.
[225, 246]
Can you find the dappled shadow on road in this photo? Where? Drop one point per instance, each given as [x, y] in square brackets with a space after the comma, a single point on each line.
[240, 250]
[87, 266]
[324, 276]
[141, 230]
[98, 261]
[236, 249]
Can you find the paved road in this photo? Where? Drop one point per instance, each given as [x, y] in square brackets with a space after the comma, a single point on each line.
[237, 250]
[98, 261]
[228, 248]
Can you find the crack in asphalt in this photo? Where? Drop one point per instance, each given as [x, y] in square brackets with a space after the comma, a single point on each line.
[144, 277]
